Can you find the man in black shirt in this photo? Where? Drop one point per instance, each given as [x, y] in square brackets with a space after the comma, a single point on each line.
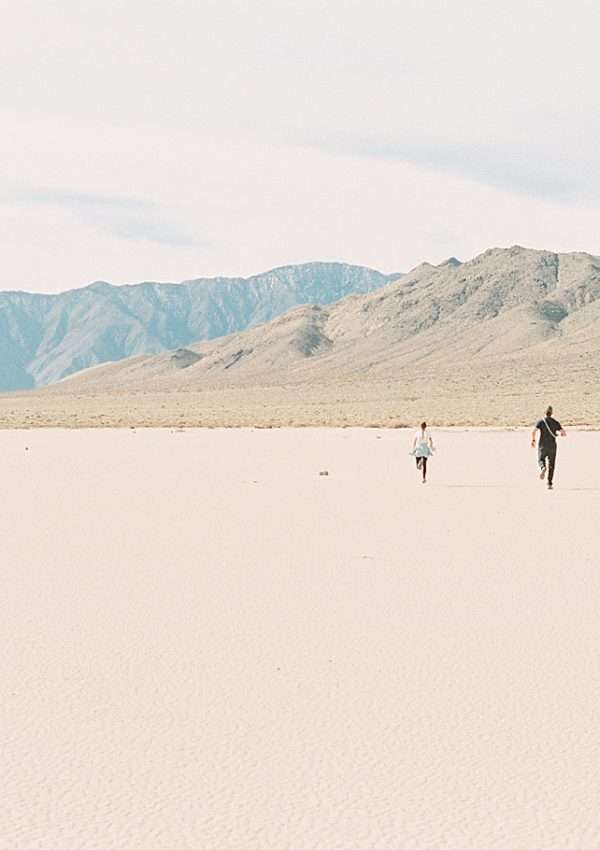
[549, 428]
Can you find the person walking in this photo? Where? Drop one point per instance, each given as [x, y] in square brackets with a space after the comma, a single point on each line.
[549, 429]
[422, 449]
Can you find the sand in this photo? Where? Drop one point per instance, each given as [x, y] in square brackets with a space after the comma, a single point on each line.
[206, 644]
[511, 396]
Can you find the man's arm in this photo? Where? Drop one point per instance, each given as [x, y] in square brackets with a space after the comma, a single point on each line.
[560, 431]
[533, 436]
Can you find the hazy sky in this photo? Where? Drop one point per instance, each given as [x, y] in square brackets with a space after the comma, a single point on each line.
[167, 140]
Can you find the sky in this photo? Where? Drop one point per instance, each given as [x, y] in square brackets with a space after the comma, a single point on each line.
[195, 138]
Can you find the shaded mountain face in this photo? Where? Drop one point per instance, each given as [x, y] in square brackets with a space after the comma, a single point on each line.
[514, 303]
[44, 338]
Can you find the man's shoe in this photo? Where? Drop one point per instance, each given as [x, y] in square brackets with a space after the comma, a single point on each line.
[543, 473]
[550, 486]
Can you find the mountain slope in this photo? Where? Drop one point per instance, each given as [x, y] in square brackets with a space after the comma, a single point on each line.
[506, 304]
[44, 338]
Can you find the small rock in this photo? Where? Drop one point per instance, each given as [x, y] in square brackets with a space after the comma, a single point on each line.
[323, 472]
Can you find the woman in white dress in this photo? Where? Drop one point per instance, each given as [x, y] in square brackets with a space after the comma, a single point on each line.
[422, 449]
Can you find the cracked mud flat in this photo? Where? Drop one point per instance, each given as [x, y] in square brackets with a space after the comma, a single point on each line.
[206, 644]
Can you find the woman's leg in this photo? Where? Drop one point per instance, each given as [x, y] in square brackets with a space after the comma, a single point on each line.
[424, 468]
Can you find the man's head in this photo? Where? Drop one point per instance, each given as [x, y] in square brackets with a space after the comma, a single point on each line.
[549, 410]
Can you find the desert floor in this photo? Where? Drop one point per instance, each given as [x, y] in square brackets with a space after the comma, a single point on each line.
[206, 644]
[514, 395]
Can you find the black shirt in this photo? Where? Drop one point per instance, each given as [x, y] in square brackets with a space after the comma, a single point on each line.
[547, 441]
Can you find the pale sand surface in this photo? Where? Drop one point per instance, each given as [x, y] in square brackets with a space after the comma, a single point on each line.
[205, 644]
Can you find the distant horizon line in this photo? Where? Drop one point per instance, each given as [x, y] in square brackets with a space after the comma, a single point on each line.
[228, 278]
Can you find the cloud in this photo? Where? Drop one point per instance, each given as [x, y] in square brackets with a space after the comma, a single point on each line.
[523, 170]
[128, 218]
[196, 139]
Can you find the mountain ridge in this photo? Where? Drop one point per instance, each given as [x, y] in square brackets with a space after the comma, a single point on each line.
[45, 337]
[506, 302]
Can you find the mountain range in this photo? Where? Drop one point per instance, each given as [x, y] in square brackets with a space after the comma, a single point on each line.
[44, 338]
[506, 306]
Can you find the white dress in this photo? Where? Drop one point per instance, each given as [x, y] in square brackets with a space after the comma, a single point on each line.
[422, 447]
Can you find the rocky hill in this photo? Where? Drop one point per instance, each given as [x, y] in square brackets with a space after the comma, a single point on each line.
[44, 338]
[505, 305]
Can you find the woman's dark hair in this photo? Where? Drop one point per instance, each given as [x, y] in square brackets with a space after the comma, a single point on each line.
[424, 425]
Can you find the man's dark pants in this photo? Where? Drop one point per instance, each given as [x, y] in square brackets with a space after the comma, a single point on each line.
[550, 453]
